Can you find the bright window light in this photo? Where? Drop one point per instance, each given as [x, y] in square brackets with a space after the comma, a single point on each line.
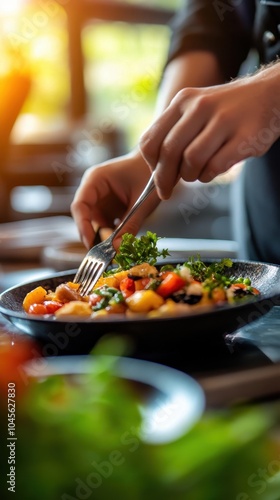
[11, 6]
[30, 199]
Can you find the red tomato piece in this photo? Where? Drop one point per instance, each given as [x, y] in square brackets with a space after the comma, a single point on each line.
[127, 287]
[94, 298]
[170, 284]
[37, 309]
[52, 306]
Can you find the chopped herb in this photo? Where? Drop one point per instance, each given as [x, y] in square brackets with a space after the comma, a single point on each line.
[199, 270]
[215, 271]
[134, 251]
[109, 296]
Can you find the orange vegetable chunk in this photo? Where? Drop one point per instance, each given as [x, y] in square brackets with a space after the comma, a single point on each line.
[36, 296]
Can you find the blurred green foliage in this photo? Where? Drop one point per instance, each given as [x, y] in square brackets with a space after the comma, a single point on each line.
[79, 439]
[123, 70]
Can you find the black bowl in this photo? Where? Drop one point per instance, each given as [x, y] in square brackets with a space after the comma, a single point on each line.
[166, 334]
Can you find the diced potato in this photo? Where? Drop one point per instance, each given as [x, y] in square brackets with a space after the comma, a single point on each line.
[170, 308]
[74, 308]
[36, 296]
[100, 314]
[144, 301]
[116, 308]
[195, 289]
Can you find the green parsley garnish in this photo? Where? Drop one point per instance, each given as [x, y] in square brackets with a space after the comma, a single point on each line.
[201, 272]
[134, 251]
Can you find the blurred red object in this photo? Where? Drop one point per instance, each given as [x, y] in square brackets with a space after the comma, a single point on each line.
[13, 355]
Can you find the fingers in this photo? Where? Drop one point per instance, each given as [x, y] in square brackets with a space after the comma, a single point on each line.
[199, 155]
[197, 146]
[165, 145]
[151, 141]
[82, 207]
[172, 153]
[227, 156]
[194, 139]
[107, 193]
[163, 152]
[82, 216]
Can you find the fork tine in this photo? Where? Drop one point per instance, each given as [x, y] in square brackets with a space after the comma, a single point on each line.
[81, 271]
[91, 274]
[93, 265]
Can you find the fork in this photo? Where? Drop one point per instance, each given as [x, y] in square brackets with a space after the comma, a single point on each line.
[101, 255]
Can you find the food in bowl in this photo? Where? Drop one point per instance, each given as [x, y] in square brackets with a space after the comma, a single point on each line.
[137, 286]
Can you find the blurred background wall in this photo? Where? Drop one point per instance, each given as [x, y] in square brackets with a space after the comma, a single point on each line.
[78, 83]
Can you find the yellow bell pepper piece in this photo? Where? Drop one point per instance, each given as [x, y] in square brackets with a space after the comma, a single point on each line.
[36, 296]
[144, 301]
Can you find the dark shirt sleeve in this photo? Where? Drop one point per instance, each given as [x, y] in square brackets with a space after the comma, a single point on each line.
[215, 26]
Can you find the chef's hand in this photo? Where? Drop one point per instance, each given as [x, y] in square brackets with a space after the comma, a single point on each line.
[106, 194]
[204, 131]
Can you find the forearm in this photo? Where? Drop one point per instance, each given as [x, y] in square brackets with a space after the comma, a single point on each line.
[192, 69]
